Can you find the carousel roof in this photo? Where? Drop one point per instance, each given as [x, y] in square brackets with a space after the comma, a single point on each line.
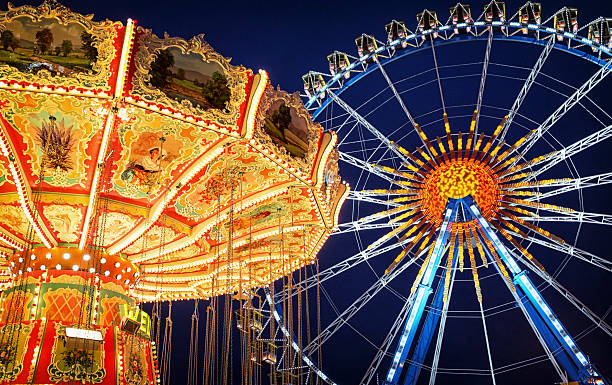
[158, 150]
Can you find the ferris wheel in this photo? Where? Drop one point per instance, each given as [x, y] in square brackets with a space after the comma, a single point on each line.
[474, 245]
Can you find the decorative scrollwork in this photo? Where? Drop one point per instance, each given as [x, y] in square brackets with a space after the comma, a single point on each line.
[135, 352]
[270, 99]
[73, 360]
[13, 350]
[102, 33]
[149, 47]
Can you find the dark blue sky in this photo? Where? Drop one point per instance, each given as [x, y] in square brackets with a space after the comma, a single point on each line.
[286, 38]
[289, 38]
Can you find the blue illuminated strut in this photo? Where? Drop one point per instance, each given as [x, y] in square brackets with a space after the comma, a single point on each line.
[423, 291]
[571, 358]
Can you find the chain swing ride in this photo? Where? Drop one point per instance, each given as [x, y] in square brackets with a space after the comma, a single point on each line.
[137, 169]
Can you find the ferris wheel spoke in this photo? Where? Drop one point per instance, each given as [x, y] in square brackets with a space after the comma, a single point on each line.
[367, 125]
[441, 329]
[483, 78]
[292, 340]
[400, 100]
[435, 60]
[486, 334]
[574, 184]
[358, 304]
[573, 251]
[597, 321]
[572, 216]
[364, 197]
[360, 163]
[357, 226]
[526, 86]
[563, 108]
[381, 353]
[572, 150]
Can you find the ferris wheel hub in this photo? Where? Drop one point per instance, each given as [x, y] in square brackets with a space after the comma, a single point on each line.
[458, 179]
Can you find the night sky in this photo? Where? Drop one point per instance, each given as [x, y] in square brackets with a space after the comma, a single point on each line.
[287, 39]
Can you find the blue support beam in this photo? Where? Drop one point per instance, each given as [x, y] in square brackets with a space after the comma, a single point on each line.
[422, 293]
[550, 340]
[556, 348]
[429, 327]
[579, 363]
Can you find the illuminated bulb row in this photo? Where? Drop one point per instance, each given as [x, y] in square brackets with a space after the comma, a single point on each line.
[35, 301]
[160, 206]
[34, 357]
[96, 300]
[276, 159]
[340, 204]
[21, 190]
[120, 363]
[31, 87]
[11, 242]
[206, 260]
[110, 122]
[323, 205]
[125, 272]
[257, 96]
[188, 241]
[155, 367]
[179, 292]
[243, 263]
[326, 154]
[316, 233]
[207, 124]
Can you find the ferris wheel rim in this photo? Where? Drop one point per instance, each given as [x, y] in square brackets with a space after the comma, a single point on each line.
[329, 87]
[542, 42]
[355, 80]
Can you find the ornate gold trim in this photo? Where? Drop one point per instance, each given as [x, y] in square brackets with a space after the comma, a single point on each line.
[94, 374]
[306, 164]
[103, 32]
[148, 46]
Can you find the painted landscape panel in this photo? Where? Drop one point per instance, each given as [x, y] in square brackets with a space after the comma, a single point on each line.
[188, 77]
[31, 46]
[287, 129]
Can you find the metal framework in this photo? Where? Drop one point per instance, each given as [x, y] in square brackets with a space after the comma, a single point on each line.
[559, 348]
[578, 367]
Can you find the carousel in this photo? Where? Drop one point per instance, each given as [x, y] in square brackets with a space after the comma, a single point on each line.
[135, 169]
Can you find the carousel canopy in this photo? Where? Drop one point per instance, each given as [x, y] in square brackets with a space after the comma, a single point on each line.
[188, 175]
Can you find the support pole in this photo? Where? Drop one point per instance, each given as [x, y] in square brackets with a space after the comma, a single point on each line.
[580, 363]
[422, 293]
[429, 327]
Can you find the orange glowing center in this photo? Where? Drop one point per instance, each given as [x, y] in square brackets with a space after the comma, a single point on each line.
[458, 179]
